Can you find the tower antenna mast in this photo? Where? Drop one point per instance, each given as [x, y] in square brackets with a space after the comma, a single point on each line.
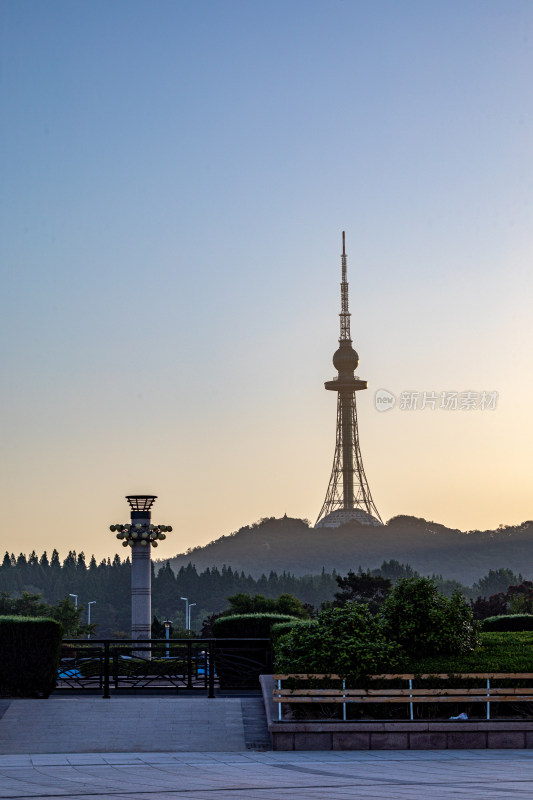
[348, 497]
[345, 314]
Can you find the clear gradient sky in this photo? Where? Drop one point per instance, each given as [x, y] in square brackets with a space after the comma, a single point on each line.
[175, 177]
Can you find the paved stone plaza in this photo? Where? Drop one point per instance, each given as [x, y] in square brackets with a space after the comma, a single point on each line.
[205, 749]
[360, 775]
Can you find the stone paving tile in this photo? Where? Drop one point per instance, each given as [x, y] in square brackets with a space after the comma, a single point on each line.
[307, 779]
[397, 775]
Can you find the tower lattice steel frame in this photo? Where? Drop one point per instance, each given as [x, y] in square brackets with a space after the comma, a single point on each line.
[348, 489]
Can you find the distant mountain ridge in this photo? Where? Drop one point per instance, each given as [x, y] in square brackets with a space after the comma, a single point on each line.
[292, 545]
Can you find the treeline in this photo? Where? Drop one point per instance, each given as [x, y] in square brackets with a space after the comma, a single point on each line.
[107, 584]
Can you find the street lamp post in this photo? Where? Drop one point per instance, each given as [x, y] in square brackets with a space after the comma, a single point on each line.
[75, 596]
[167, 623]
[141, 535]
[89, 604]
[190, 606]
[186, 612]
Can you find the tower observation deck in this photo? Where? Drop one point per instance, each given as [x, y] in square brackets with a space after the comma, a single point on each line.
[348, 497]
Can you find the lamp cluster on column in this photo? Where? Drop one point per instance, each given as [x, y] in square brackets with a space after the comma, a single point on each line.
[143, 534]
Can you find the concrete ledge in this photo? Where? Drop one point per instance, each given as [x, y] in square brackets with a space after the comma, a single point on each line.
[421, 735]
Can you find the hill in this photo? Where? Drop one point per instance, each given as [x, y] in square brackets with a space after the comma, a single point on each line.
[292, 545]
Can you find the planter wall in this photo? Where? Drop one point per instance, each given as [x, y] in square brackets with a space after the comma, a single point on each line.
[405, 735]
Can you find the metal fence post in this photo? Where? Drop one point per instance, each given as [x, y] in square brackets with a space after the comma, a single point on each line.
[115, 668]
[279, 704]
[411, 704]
[343, 700]
[106, 694]
[211, 669]
[488, 695]
[189, 665]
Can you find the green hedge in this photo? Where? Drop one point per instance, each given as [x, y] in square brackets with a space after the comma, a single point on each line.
[508, 622]
[30, 652]
[281, 628]
[501, 651]
[248, 626]
[509, 651]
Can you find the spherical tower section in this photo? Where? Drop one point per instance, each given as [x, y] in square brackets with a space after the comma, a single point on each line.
[345, 359]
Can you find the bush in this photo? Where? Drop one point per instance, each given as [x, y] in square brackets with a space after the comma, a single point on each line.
[282, 628]
[248, 626]
[508, 622]
[30, 649]
[242, 603]
[493, 606]
[497, 652]
[346, 641]
[427, 623]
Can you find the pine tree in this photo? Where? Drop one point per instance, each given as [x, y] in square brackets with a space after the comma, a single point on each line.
[55, 564]
[69, 564]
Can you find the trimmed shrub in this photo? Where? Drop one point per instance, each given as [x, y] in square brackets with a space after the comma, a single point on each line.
[243, 603]
[248, 626]
[347, 641]
[282, 628]
[498, 652]
[508, 622]
[30, 651]
[427, 623]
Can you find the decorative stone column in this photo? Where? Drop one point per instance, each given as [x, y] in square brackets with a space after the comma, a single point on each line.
[141, 535]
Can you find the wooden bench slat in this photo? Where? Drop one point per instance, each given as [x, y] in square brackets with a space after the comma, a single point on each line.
[412, 676]
[285, 693]
[482, 698]
[478, 694]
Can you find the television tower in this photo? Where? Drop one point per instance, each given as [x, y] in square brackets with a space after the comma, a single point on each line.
[348, 496]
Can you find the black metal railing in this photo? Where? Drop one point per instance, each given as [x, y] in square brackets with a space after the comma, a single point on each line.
[163, 664]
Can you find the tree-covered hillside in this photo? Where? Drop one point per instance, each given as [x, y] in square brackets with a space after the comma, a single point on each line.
[292, 545]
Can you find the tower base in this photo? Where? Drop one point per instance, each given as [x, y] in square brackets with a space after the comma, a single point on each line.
[343, 515]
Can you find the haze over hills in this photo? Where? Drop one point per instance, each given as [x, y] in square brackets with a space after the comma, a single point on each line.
[292, 545]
